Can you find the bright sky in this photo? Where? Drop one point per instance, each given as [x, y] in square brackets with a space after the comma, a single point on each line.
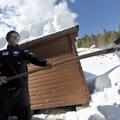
[95, 15]
[35, 18]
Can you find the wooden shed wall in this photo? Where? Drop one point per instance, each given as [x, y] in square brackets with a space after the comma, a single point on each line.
[63, 86]
[52, 48]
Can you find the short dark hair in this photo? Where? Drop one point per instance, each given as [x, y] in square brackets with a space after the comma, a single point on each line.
[10, 32]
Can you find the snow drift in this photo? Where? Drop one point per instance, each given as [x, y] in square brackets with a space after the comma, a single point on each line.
[102, 75]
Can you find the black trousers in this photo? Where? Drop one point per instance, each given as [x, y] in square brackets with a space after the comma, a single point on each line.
[11, 104]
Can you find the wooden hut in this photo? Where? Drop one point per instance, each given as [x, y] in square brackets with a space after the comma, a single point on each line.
[63, 86]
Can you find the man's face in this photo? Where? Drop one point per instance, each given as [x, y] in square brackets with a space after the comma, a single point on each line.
[13, 39]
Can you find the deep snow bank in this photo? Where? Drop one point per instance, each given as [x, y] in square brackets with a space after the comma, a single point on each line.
[105, 101]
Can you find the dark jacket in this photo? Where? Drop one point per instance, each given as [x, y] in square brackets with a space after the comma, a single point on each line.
[13, 61]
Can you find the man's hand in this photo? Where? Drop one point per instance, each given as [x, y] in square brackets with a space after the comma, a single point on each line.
[3, 80]
[50, 64]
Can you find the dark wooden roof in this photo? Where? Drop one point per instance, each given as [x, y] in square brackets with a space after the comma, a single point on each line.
[52, 36]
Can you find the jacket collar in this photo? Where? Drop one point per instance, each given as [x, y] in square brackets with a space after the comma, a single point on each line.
[11, 47]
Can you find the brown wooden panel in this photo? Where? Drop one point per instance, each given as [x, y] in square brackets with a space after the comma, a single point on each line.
[55, 80]
[55, 71]
[60, 101]
[56, 93]
[55, 39]
[63, 86]
[57, 85]
[58, 97]
[51, 75]
[53, 48]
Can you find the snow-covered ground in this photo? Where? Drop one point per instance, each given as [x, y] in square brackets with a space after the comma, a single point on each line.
[103, 74]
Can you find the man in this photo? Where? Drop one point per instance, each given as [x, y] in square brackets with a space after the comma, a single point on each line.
[14, 95]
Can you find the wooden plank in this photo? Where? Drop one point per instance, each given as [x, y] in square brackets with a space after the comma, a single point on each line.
[57, 58]
[63, 100]
[60, 104]
[55, 82]
[53, 86]
[60, 97]
[57, 77]
[52, 94]
[57, 70]
[40, 78]
[54, 48]
[32, 67]
[55, 93]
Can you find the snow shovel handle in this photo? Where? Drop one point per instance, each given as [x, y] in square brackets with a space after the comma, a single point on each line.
[99, 52]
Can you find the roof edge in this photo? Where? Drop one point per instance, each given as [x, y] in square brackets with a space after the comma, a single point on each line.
[54, 35]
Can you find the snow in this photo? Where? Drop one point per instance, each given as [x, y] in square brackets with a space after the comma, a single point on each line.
[102, 74]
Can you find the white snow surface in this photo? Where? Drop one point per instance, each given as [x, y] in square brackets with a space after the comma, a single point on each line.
[103, 74]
